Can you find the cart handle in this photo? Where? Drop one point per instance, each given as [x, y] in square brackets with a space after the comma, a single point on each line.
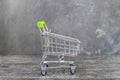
[42, 26]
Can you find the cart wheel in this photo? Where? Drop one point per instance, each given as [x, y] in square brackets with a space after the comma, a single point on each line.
[72, 71]
[43, 69]
[43, 73]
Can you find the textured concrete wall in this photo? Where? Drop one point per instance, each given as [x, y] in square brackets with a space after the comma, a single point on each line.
[95, 22]
[2, 29]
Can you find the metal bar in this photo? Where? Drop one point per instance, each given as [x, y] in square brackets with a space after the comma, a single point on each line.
[58, 45]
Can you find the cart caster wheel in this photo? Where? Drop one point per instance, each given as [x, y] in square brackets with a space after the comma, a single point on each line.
[72, 71]
[44, 69]
[43, 73]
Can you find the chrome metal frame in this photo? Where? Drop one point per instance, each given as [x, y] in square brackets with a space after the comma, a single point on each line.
[58, 45]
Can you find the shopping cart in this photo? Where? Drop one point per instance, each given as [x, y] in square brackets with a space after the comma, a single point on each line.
[59, 46]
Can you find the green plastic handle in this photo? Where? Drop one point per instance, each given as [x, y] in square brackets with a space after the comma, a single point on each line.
[41, 24]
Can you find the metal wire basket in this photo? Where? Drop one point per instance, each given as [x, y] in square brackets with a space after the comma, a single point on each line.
[57, 45]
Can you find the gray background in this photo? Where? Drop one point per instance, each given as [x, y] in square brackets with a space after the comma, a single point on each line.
[95, 22]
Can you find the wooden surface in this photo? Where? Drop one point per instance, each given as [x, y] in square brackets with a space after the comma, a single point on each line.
[23, 67]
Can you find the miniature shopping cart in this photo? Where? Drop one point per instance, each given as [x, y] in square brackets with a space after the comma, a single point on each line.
[59, 46]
